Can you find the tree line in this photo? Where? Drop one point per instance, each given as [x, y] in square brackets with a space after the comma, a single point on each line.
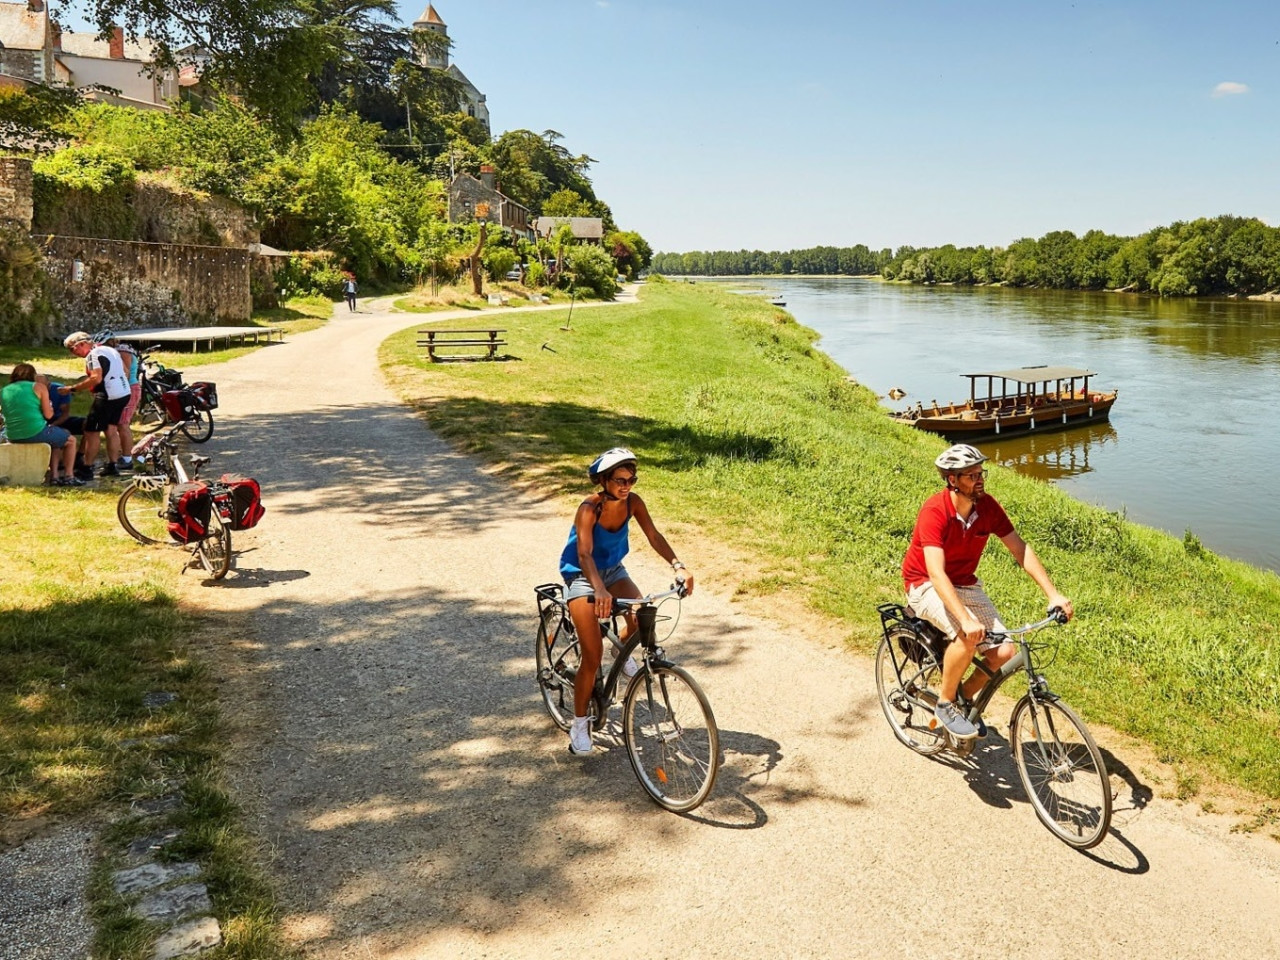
[1224, 255]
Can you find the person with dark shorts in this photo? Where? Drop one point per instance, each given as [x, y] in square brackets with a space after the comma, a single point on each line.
[62, 417]
[26, 407]
[106, 377]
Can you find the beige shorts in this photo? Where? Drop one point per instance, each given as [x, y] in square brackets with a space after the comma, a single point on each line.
[924, 600]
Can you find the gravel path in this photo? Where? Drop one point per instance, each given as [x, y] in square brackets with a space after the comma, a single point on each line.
[420, 804]
[43, 914]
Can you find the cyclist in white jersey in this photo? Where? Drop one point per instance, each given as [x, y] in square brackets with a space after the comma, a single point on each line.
[107, 378]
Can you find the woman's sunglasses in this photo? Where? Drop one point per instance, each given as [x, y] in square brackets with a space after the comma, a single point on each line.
[626, 481]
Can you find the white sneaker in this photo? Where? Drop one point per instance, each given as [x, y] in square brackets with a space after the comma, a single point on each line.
[580, 736]
[630, 668]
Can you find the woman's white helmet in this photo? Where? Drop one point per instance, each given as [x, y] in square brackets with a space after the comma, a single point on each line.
[608, 460]
[957, 458]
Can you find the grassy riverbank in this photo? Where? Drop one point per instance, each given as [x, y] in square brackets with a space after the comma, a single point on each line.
[89, 626]
[749, 433]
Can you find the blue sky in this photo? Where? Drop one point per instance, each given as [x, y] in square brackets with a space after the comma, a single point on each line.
[723, 125]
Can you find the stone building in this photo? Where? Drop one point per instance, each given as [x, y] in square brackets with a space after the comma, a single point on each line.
[473, 102]
[587, 229]
[35, 50]
[471, 199]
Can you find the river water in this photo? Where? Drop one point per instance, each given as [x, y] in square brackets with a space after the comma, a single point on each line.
[1193, 438]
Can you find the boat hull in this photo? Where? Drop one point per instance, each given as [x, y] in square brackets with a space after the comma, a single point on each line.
[963, 424]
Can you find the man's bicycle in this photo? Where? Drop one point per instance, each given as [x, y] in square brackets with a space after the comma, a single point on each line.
[1059, 765]
[667, 725]
[143, 507]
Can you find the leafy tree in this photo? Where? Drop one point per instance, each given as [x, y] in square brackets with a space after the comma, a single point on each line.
[566, 203]
[589, 267]
[33, 119]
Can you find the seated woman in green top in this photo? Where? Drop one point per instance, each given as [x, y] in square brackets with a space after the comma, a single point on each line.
[27, 411]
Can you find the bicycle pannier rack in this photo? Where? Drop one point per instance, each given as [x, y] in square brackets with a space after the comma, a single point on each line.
[246, 501]
[170, 379]
[206, 395]
[925, 634]
[190, 507]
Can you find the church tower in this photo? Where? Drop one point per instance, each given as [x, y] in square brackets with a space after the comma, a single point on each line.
[430, 20]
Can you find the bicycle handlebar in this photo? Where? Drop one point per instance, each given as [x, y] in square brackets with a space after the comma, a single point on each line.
[1056, 615]
[677, 590]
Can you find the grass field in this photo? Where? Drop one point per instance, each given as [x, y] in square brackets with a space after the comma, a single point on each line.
[757, 439]
[89, 624]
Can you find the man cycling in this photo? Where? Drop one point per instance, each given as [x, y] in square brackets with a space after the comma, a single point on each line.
[939, 572]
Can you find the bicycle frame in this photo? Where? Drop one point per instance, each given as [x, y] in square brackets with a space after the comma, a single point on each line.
[646, 611]
[892, 615]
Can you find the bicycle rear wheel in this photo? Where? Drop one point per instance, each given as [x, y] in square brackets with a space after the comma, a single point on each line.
[1062, 771]
[199, 426]
[142, 511]
[558, 657]
[907, 699]
[214, 551]
[671, 737]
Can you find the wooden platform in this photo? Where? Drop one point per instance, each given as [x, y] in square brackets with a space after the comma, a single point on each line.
[144, 336]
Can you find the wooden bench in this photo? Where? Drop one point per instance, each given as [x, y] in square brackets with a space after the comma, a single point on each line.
[438, 339]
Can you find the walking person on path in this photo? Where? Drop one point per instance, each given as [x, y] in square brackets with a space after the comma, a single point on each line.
[349, 291]
[591, 565]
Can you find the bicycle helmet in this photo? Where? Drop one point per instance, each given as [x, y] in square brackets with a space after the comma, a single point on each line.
[957, 458]
[608, 460]
[76, 339]
[103, 335]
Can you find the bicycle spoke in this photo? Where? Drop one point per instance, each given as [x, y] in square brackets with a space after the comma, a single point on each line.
[908, 692]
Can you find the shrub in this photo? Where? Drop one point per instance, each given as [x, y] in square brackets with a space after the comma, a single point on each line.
[497, 261]
[589, 267]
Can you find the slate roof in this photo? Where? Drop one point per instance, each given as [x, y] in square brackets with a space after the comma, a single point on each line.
[88, 45]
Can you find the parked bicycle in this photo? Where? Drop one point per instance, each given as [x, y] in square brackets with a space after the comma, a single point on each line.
[667, 725]
[170, 506]
[1059, 765]
[167, 399]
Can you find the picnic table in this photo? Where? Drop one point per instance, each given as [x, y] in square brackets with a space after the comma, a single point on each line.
[436, 339]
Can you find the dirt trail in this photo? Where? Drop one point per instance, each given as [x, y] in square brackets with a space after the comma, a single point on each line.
[420, 804]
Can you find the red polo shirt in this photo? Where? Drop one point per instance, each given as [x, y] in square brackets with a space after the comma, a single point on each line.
[937, 525]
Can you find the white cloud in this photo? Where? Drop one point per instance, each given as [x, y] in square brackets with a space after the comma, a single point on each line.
[1229, 88]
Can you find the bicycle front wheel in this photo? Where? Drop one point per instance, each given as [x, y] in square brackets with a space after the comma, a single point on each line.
[908, 691]
[671, 737]
[199, 426]
[1062, 771]
[214, 551]
[142, 511]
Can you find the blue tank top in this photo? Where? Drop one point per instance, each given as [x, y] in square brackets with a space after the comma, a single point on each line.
[608, 547]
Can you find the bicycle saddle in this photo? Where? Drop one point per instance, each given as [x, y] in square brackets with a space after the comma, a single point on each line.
[199, 462]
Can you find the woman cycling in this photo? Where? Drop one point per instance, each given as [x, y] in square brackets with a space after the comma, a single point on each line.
[591, 565]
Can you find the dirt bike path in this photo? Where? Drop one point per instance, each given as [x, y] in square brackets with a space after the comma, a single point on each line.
[419, 803]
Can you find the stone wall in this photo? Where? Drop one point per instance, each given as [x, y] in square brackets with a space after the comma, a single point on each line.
[15, 190]
[125, 283]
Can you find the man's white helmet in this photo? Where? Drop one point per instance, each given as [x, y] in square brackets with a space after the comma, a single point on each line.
[608, 460]
[957, 458]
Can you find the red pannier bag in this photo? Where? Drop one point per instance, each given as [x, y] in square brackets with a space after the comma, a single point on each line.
[246, 501]
[178, 404]
[206, 395]
[190, 507]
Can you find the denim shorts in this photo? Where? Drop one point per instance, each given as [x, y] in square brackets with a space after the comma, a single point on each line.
[580, 586]
[55, 437]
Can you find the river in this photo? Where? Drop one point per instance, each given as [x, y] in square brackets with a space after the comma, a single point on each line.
[1192, 438]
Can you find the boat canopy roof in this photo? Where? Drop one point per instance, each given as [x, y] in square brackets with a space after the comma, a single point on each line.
[1039, 374]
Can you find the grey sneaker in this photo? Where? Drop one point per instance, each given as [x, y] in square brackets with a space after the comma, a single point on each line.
[580, 736]
[963, 704]
[955, 722]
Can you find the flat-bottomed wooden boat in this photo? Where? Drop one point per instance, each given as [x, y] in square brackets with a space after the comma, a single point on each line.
[1025, 400]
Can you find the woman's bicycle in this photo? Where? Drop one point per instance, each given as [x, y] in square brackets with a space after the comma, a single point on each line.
[667, 725]
[143, 508]
[1059, 765]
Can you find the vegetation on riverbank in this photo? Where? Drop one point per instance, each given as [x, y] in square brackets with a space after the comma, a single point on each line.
[1207, 257]
[89, 627]
[756, 438]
